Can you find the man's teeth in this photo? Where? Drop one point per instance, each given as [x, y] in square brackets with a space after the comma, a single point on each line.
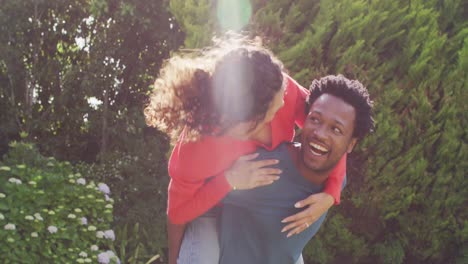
[318, 147]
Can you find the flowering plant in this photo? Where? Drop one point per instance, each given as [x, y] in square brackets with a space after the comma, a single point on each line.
[48, 214]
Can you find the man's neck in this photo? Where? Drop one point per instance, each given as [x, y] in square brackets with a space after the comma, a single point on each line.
[310, 175]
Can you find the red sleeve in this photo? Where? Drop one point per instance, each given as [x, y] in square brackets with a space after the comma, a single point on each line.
[335, 180]
[197, 176]
[299, 112]
[188, 200]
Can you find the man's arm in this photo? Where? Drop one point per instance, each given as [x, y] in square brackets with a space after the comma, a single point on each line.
[175, 235]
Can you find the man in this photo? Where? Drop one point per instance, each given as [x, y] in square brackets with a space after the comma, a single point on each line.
[339, 114]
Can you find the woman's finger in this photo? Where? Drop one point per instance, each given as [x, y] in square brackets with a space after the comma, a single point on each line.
[264, 163]
[248, 157]
[263, 183]
[268, 171]
[296, 217]
[298, 229]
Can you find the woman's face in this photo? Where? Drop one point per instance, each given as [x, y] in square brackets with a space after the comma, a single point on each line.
[276, 104]
[247, 129]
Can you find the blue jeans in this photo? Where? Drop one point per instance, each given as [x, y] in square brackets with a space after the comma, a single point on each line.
[200, 244]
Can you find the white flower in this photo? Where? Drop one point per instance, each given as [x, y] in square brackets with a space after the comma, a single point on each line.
[5, 168]
[108, 206]
[10, 226]
[109, 234]
[2, 195]
[52, 229]
[78, 210]
[107, 198]
[92, 228]
[71, 216]
[104, 188]
[80, 260]
[38, 216]
[51, 212]
[94, 248]
[81, 181]
[21, 166]
[34, 234]
[105, 257]
[84, 221]
[2, 217]
[87, 260]
[15, 180]
[83, 254]
[100, 234]
[32, 182]
[29, 217]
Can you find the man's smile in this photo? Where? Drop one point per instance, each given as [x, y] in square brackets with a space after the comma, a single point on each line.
[318, 149]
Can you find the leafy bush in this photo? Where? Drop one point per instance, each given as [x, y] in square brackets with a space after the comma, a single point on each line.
[50, 214]
[138, 179]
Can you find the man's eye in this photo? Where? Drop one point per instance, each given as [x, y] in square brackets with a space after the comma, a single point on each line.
[314, 120]
[337, 131]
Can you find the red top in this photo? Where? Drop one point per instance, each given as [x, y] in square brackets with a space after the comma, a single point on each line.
[197, 168]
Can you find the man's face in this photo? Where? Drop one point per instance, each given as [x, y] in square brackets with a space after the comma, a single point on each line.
[327, 133]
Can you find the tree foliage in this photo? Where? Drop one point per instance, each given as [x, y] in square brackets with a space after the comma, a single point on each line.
[406, 202]
[74, 77]
[58, 56]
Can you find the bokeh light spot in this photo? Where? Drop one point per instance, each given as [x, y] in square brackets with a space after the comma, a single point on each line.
[233, 14]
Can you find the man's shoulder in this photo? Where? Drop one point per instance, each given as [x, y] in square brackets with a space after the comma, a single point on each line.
[283, 149]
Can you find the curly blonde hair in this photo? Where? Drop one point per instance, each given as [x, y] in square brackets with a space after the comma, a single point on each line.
[207, 92]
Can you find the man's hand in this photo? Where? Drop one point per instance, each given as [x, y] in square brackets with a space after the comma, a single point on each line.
[317, 204]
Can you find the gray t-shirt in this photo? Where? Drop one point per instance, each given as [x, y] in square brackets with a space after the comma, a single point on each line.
[250, 223]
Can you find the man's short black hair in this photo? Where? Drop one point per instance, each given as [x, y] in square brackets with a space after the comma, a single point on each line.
[350, 91]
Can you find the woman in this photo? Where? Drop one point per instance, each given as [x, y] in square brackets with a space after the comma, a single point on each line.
[223, 104]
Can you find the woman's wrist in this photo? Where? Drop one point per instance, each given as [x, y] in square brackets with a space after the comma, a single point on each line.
[229, 178]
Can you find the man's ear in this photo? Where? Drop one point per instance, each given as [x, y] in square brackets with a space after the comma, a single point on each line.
[351, 145]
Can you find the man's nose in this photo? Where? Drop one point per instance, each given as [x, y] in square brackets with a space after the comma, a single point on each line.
[320, 132]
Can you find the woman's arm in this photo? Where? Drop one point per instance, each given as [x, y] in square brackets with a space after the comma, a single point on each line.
[335, 180]
[188, 200]
[175, 235]
[317, 204]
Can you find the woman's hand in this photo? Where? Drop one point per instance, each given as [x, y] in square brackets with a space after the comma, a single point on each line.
[317, 204]
[247, 174]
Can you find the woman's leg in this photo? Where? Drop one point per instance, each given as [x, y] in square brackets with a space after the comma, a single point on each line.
[200, 244]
